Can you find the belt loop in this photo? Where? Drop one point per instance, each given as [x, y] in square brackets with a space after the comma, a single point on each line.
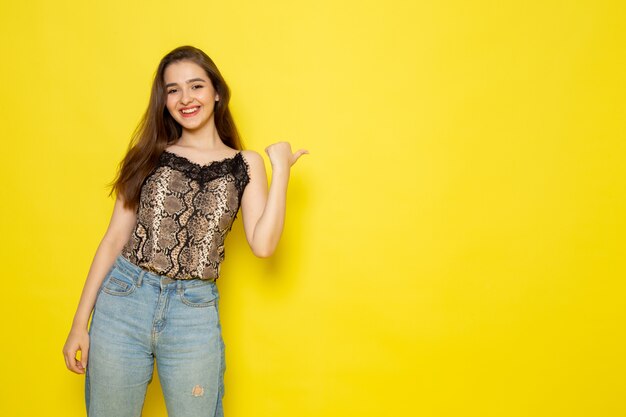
[179, 286]
[140, 278]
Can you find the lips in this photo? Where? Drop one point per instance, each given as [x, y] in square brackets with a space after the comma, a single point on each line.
[189, 111]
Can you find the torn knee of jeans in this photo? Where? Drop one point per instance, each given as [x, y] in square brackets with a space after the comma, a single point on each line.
[197, 391]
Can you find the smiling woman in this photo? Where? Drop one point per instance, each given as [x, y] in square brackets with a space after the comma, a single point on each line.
[152, 284]
[186, 79]
[193, 98]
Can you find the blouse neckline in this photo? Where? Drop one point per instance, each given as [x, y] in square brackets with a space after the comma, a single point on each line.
[202, 166]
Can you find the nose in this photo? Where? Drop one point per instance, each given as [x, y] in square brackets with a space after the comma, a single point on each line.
[186, 97]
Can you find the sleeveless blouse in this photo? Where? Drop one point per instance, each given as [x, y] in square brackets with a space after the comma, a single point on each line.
[185, 212]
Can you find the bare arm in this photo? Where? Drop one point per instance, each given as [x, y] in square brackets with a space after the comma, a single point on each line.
[117, 234]
[263, 211]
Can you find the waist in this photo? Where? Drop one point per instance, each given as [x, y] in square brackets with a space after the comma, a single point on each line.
[142, 275]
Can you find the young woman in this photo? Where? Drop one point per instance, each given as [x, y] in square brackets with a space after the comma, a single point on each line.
[151, 285]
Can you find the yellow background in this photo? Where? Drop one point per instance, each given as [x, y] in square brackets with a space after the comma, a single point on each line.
[454, 243]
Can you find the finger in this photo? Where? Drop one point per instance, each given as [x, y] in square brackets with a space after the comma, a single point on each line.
[67, 354]
[67, 363]
[74, 364]
[79, 367]
[299, 153]
[70, 361]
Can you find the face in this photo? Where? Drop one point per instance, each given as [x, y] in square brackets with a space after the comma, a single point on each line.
[190, 94]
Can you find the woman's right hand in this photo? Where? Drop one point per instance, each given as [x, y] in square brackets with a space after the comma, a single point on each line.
[77, 340]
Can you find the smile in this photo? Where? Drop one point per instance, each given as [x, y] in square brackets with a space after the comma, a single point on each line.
[190, 112]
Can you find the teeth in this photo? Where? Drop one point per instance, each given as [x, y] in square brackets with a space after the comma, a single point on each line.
[189, 110]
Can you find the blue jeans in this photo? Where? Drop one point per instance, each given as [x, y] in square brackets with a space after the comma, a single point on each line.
[139, 317]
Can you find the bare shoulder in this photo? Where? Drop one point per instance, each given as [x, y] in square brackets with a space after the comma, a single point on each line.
[253, 158]
[256, 166]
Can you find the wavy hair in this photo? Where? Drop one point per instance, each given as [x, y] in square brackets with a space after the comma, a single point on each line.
[157, 129]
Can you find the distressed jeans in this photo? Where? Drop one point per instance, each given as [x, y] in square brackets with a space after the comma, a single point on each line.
[140, 317]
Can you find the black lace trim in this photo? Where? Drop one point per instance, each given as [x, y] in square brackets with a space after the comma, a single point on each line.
[235, 165]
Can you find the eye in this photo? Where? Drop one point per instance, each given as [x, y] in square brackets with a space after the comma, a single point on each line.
[198, 86]
[171, 91]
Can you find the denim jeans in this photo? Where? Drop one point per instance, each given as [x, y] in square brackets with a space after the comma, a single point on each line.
[140, 317]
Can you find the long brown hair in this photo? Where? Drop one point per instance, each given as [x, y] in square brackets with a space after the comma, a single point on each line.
[157, 128]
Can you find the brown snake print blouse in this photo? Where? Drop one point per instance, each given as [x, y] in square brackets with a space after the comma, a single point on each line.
[185, 212]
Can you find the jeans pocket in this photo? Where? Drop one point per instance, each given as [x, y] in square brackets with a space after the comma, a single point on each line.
[201, 295]
[118, 283]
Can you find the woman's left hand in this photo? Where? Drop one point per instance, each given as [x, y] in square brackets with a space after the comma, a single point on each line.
[281, 156]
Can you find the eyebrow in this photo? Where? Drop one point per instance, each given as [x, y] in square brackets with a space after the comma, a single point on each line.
[188, 81]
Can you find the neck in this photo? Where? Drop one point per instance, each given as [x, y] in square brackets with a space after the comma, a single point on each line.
[205, 138]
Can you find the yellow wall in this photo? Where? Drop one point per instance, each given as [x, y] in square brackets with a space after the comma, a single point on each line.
[455, 240]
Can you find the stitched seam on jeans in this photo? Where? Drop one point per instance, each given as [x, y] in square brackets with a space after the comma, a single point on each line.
[129, 288]
[189, 303]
